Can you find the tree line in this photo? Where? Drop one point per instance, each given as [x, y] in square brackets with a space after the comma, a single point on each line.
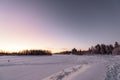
[28, 52]
[102, 49]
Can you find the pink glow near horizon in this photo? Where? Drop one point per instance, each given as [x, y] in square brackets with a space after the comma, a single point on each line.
[21, 28]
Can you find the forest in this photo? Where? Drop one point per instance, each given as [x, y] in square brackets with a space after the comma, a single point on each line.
[100, 49]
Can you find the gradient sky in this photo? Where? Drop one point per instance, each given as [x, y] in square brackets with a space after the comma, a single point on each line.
[58, 24]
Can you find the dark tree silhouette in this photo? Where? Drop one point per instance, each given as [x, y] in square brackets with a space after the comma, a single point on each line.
[74, 51]
[97, 49]
[101, 49]
[116, 44]
[28, 52]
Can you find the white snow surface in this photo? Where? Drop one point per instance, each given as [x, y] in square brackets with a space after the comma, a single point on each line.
[60, 67]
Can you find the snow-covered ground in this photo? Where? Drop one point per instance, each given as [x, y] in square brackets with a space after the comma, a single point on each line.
[60, 67]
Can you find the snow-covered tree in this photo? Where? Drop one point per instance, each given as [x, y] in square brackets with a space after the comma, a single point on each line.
[116, 51]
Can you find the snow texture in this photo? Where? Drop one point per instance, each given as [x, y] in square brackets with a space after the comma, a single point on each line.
[60, 67]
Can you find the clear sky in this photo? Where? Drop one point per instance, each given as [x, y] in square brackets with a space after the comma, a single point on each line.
[58, 24]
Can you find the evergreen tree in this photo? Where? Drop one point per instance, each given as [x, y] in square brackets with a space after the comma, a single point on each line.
[74, 51]
[97, 49]
[103, 49]
[116, 44]
[111, 48]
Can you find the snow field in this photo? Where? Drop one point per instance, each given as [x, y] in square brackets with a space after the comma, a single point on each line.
[60, 67]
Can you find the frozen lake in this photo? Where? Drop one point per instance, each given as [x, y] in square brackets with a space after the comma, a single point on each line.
[60, 67]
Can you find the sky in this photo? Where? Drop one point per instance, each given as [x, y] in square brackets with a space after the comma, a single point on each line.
[58, 25]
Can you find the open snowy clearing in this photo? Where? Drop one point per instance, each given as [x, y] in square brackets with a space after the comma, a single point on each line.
[60, 67]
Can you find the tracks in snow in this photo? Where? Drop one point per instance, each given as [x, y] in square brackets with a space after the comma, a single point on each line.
[68, 73]
[113, 72]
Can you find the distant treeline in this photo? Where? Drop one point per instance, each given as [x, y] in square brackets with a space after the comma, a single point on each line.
[28, 52]
[102, 49]
[105, 49]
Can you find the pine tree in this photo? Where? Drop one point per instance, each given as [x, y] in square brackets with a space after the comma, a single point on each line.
[103, 49]
[74, 51]
[97, 49]
[116, 44]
